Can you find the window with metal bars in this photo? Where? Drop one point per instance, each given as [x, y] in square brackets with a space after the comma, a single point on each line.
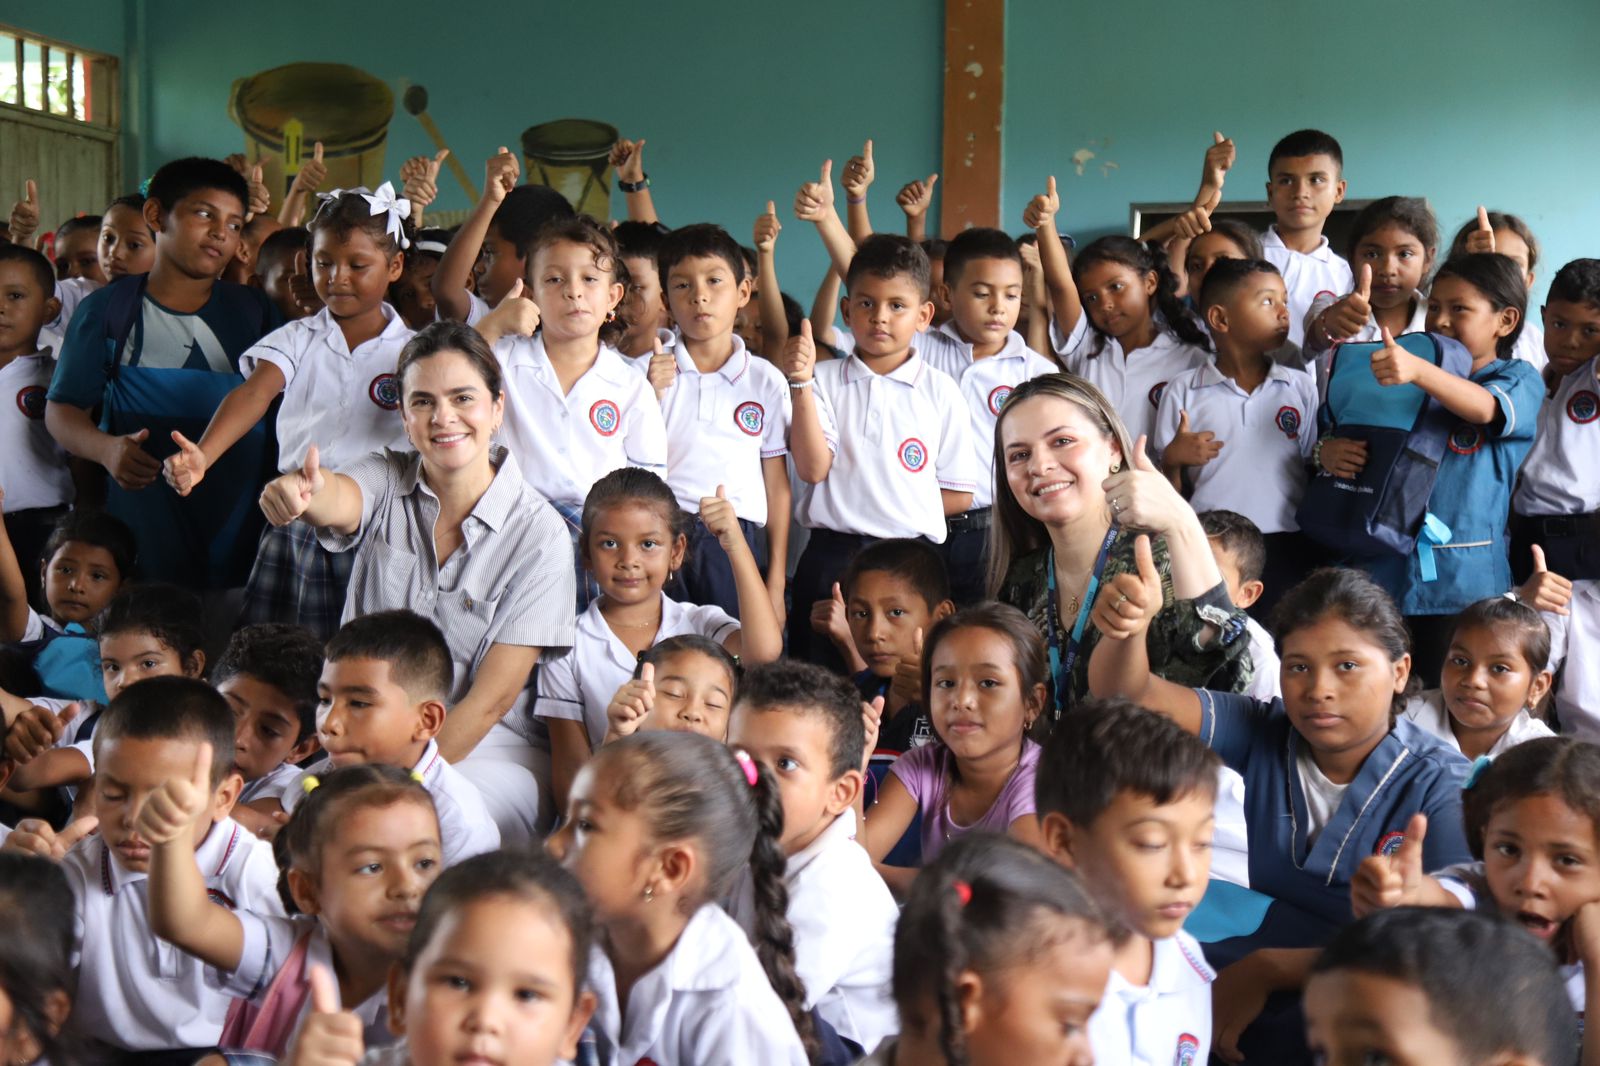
[56, 79]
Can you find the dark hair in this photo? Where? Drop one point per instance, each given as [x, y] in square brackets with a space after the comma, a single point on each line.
[87, 525]
[595, 236]
[687, 786]
[934, 248]
[793, 314]
[282, 245]
[133, 201]
[916, 562]
[36, 952]
[417, 653]
[331, 799]
[631, 484]
[171, 708]
[85, 223]
[986, 903]
[433, 235]
[17, 673]
[1498, 220]
[1244, 238]
[1355, 599]
[1302, 143]
[1240, 538]
[285, 657]
[1028, 652]
[659, 652]
[43, 272]
[526, 875]
[1520, 624]
[887, 255]
[1500, 282]
[1410, 213]
[525, 211]
[1521, 1008]
[1137, 257]
[751, 261]
[173, 615]
[448, 336]
[184, 177]
[1226, 277]
[1578, 282]
[1562, 766]
[348, 212]
[977, 243]
[801, 688]
[699, 241]
[1107, 746]
[639, 240]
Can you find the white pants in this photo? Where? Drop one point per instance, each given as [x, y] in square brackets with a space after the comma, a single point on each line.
[513, 774]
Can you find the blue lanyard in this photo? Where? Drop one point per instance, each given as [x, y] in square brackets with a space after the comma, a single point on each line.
[1061, 666]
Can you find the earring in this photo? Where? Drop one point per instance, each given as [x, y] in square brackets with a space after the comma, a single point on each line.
[649, 893]
[1116, 467]
[611, 315]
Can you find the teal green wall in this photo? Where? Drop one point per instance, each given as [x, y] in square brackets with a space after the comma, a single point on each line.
[1462, 101]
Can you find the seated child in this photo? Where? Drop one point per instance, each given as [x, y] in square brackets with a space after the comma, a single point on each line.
[1413, 980]
[1305, 182]
[685, 683]
[1495, 674]
[1125, 799]
[36, 979]
[984, 671]
[136, 993]
[1241, 555]
[269, 674]
[380, 699]
[357, 856]
[805, 725]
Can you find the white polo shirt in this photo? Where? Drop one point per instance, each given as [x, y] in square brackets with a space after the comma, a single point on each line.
[1573, 638]
[721, 425]
[1133, 383]
[70, 291]
[33, 470]
[641, 363]
[1267, 437]
[1561, 475]
[347, 403]
[271, 785]
[897, 439]
[136, 991]
[578, 686]
[566, 442]
[1306, 276]
[1428, 711]
[1530, 342]
[1469, 884]
[843, 954]
[708, 1003]
[985, 384]
[1164, 1023]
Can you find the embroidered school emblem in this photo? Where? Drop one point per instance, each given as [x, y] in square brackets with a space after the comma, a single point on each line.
[30, 401]
[385, 391]
[1289, 421]
[1155, 393]
[998, 398]
[605, 417]
[1583, 407]
[1389, 843]
[913, 454]
[750, 417]
[1466, 440]
[1188, 1050]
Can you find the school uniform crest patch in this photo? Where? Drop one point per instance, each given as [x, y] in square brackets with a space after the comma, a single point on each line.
[385, 391]
[1156, 391]
[913, 454]
[1466, 439]
[30, 401]
[750, 417]
[1289, 421]
[998, 397]
[1583, 407]
[1188, 1050]
[605, 417]
[1389, 843]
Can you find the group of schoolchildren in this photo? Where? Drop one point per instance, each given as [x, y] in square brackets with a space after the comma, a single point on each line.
[813, 793]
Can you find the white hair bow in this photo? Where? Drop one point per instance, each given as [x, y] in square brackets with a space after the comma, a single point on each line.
[384, 200]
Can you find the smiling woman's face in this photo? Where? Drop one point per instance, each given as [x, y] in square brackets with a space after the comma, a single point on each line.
[450, 414]
[1055, 459]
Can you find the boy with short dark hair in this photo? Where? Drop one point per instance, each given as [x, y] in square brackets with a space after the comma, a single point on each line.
[1125, 799]
[1305, 182]
[644, 308]
[385, 678]
[76, 251]
[156, 354]
[280, 260]
[809, 722]
[269, 673]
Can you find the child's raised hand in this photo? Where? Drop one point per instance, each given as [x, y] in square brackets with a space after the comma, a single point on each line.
[718, 516]
[186, 467]
[663, 368]
[169, 812]
[313, 172]
[1042, 209]
[286, 498]
[1544, 591]
[25, 214]
[800, 355]
[1585, 932]
[1385, 881]
[1128, 602]
[767, 229]
[1393, 365]
[301, 288]
[1192, 223]
[1189, 448]
[1348, 315]
[514, 316]
[240, 165]
[1031, 267]
[906, 687]
[815, 199]
[632, 704]
[915, 197]
[830, 618]
[330, 1036]
[34, 836]
[1344, 458]
[37, 730]
[500, 175]
[1481, 239]
[129, 465]
[627, 159]
[871, 723]
[858, 173]
[1219, 160]
[260, 196]
[419, 178]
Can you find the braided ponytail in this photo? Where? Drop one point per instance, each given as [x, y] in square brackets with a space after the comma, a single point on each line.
[1137, 257]
[948, 907]
[773, 937]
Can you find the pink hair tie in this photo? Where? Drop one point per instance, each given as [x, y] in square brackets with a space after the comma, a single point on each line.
[748, 765]
[963, 892]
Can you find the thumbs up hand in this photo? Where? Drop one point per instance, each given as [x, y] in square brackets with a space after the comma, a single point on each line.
[419, 181]
[129, 465]
[1545, 591]
[1385, 881]
[500, 175]
[1128, 602]
[1219, 160]
[800, 355]
[260, 196]
[767, 229]
[906, 688]
[663, 368]
[1393, 365]
[871, 723]
[186, 467]
[1042, 209]
[514, 316]
[287, 497]
[718, 515]
[631, 705]
[915, 197]
[831, 618]
[35, 730]
[171, 811]
[24, 222]
[1189, 448]
[1481, 239]
[313, 172]
[815, 199]
[330, 1036]
[1141, 497]
[627, 159]
[859, 173]
[1350, 314]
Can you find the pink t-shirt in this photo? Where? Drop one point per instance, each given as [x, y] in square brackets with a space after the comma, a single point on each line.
[926, 771]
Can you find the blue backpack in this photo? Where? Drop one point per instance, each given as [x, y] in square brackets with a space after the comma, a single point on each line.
[1384, 510]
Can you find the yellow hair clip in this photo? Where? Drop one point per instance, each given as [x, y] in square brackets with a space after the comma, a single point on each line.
[309, 782]
[416, 775]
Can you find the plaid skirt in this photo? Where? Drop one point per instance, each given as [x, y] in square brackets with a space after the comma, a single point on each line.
[588, 589]
[296, 580]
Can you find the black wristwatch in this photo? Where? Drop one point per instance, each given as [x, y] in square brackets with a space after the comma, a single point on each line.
[634, 186]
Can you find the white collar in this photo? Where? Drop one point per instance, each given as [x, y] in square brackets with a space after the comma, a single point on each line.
[223, 841]
[1323, 253]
